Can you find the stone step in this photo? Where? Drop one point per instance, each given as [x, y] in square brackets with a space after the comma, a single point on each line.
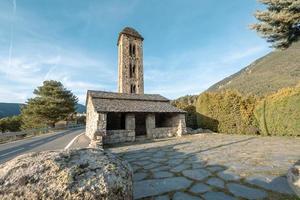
[141, 138]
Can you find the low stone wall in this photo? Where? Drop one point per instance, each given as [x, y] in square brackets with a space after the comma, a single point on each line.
[118, 136]
[162, 132]
[75, 174]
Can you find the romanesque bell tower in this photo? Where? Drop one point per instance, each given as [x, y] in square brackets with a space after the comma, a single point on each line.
[130, 62]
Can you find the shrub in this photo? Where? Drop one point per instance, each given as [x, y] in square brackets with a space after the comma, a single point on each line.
[279, 114]
[226, 112]
[11, 124]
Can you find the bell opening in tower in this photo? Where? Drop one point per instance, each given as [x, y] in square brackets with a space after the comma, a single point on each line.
[132, 89]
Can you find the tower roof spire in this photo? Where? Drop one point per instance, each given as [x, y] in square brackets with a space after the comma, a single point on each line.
[131, 32]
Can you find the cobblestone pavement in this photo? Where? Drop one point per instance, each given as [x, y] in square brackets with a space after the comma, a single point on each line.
[211, 166]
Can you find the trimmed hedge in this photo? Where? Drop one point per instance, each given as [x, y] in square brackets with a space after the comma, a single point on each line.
[226, 112]
[279, 114]
[230, 112]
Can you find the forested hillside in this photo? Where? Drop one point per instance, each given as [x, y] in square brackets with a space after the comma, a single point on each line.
[278, 69]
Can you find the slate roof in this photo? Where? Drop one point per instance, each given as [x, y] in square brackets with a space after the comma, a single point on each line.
[121, 102]
[131, 32]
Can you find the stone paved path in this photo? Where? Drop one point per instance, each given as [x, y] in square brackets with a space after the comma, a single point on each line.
[211, 166]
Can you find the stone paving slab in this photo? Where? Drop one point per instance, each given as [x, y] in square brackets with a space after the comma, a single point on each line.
[212, 166]
[217, 196]
[153, 187]
[246, 192]
[200, 188]
[216, 182]
[196, 174]
[184, 196]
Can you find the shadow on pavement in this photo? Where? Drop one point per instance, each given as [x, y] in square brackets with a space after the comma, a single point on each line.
[167, 172]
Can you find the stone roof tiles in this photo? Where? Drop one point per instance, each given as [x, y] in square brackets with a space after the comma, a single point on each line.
[120, 102]
[115, 95]
[131, 32]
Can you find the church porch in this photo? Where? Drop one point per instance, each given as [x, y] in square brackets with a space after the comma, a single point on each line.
[125, 127]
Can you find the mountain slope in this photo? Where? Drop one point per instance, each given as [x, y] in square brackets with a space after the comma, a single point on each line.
[268, 74]
[10, 109]
[80, 108]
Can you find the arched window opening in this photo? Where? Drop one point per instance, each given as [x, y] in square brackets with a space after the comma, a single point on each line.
[130, 71]
[130, 49]
[133, 70]
[133, 50]
[132, 88]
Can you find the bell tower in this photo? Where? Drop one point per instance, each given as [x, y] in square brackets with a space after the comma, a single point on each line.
[130, 62]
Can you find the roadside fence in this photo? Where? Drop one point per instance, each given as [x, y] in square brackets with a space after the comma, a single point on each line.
[11, 136]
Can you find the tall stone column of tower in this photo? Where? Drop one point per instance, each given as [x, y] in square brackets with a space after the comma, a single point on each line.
[130, 62]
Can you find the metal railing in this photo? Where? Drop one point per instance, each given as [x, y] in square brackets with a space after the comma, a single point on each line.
[37, 131]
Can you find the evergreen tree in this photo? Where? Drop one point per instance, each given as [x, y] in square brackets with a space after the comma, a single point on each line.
[280, 23]
[52, 103]
[10, 124]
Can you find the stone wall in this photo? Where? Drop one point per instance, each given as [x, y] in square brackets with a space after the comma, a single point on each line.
[124, 60]
[91, 120]
[176, 123]
[162, 132]
[150, 121]
[119, 136]
[130, 122]
[181, 125]
[95, 124]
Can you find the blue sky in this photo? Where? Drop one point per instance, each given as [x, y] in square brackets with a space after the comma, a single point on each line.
[189, 45]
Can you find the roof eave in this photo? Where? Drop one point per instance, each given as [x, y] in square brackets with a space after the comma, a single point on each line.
[138, 37]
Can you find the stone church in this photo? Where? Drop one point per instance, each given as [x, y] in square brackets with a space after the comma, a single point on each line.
[129, 113]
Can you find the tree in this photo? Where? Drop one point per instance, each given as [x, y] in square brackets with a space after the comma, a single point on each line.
[280, 23]
[11, 124]
[52, 103]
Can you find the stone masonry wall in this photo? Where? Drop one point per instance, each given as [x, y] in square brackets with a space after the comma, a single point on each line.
[124, 60]
[95, 123]
[91, 120]
[102, 123]
[176, 123]
[181, 126]
[161, 132]
[118, 136]
[130, 122]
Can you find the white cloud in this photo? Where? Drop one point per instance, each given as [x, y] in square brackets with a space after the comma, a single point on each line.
[41, 54]
[70, 67]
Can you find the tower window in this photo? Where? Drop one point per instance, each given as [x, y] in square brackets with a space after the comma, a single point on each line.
[133, 50]
[130, 49]
[131, 70]
[132, 88]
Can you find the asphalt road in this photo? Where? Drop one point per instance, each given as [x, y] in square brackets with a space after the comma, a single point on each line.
[51, 141]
